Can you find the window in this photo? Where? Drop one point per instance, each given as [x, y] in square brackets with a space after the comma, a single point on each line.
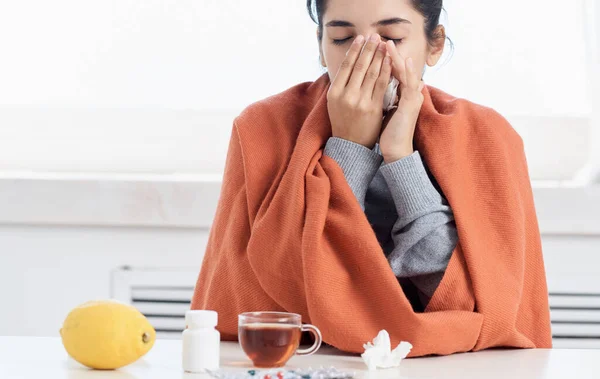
[152, 86]
[528, 60]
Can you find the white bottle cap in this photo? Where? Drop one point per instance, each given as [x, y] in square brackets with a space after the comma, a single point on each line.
[201, 319]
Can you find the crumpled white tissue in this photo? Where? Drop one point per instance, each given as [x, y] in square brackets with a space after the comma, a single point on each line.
[379, 354]
[389, 99]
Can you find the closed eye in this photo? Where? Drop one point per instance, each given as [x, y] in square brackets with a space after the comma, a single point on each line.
[396, 41]
[343, 41]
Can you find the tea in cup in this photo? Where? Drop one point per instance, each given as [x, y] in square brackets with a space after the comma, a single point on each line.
[270, 339]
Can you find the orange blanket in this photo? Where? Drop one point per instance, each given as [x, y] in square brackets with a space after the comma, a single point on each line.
[289, 234]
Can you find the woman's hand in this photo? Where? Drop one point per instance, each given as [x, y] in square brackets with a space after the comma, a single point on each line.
[396, 140]
[355, 97]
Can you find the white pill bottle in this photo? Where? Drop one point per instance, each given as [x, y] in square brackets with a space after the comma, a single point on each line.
[201, 342]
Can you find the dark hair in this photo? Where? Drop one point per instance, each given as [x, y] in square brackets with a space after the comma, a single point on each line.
[430, 9]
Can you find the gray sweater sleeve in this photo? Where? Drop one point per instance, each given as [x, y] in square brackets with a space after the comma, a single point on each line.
[425, 233]
[359, 163]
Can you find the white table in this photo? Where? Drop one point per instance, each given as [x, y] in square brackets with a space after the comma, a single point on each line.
[45, 358]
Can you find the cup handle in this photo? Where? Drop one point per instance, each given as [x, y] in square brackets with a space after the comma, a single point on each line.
[318, 340]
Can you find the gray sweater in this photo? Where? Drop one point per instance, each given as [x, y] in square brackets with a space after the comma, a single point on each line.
[411, 219]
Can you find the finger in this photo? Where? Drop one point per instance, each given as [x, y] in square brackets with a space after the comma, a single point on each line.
[412, 80]
[398, 63]
[341, 78]
[421, 86]
[374, 71]
[364, 61]
[383, 80]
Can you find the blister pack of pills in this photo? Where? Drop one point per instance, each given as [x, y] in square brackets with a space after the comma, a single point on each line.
[310, 373]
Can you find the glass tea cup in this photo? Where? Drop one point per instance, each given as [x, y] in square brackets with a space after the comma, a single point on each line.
[270, 339]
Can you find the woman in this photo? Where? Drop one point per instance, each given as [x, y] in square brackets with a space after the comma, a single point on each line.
[419, 220]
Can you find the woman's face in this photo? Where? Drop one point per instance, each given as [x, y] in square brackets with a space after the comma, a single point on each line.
[343, 20]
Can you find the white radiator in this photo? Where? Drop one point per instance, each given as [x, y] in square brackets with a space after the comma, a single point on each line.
[575, 320]
[162, 295]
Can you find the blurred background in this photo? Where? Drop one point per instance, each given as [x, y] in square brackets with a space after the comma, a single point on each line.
[115, 118]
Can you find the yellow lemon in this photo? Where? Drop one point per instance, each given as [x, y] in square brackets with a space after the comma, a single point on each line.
[106, 334]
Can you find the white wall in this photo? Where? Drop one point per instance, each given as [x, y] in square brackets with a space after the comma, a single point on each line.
[114, 113]
[213, 54]
[114, 140]
[45, 271]
[117, 86]
[209, 54]
[47, 268]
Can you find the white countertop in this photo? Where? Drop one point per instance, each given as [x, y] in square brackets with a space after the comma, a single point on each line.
[189, 201]
[45, 358]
